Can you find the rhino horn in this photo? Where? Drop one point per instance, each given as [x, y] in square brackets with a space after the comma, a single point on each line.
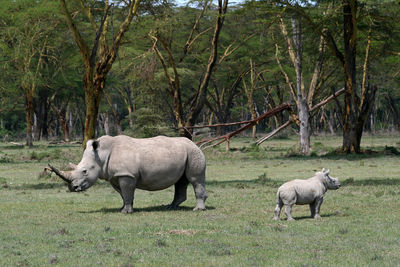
[66, 176]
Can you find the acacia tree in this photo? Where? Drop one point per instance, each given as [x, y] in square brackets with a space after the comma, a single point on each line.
[27, 30]
[99, 59]
[301, 96]
[175, 90]
[356, 109]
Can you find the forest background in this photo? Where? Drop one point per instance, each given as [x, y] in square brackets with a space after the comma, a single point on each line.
[74, 70]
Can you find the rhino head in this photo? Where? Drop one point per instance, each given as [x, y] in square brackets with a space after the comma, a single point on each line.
[86, 173]
[330, 182]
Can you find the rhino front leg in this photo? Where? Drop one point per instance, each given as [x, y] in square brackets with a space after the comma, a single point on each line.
[318, 203]
[127, 186]
[312, 208]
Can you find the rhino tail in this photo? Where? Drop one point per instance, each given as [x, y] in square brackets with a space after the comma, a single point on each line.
[278, 198]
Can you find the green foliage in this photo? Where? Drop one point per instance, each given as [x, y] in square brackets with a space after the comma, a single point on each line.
[5, 159]
[137, 80]
[148, 123]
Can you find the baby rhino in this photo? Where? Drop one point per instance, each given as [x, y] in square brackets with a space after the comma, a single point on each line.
[301, 192]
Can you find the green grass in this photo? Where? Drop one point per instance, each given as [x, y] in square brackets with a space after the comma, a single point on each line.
[42, 224]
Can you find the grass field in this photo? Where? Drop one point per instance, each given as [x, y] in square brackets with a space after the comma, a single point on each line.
[42, 224]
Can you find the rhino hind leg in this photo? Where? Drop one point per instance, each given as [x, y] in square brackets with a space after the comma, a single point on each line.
[288, 212]
[278, 208]
[201, 196]
[180, 192]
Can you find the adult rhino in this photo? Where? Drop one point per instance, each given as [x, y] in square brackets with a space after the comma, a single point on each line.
[148, 164]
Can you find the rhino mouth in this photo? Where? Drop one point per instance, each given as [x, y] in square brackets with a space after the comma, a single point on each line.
[80, 188]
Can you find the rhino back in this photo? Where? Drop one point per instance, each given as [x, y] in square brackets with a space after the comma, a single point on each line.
[156, 163]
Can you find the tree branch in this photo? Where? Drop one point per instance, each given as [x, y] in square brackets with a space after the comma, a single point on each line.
[83, 48]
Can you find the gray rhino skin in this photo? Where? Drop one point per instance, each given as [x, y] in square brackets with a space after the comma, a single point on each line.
[148, 164]
[301, 192]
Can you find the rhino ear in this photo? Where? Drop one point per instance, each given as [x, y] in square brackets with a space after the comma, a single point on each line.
[328, 171]
[95, 145]
[323, 170]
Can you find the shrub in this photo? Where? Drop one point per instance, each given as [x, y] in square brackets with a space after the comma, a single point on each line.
[148, 123]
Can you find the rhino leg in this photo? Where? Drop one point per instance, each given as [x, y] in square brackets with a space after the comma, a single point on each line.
[312, 208]
[180, 193]
[288, 212]
[196, 175]
[318, 203]
[201, 196]
[127, 186]
[114, 183]
[278, 208]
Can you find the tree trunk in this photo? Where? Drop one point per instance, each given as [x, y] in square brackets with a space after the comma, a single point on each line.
[43, 112]
[302, 102]
[64, 125]
[250, 96]
[199, 98]
[29, 110]
[106, 123]
[367, 103]
[350, 113]
[99, 60]
[394, 110]
[198, 104]
[92, 102]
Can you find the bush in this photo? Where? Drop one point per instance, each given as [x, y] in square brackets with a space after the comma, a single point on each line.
[148, 123]
[6, 159]
[54, 154]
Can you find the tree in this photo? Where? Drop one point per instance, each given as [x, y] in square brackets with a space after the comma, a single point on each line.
[99, 60]
[355, 109]
[29, 28]
[175, 90]
[301, 96]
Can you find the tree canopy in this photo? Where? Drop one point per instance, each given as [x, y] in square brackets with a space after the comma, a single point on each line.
[80, 69]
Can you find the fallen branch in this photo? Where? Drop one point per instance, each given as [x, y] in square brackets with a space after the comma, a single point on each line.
[327, 100]
[226, 137]
[283, 126]
[286, 124]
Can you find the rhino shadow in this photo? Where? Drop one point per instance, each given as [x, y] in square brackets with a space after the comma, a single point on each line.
[160, 208]
[299, 218]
